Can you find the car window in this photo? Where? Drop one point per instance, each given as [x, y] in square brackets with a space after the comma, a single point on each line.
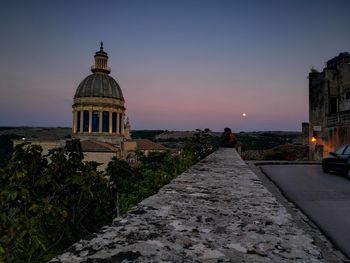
[340, 150]
[347, 151]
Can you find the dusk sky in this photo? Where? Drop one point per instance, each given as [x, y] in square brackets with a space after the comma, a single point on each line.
[181, 65]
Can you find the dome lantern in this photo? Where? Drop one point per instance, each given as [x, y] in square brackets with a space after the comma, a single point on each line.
[101, 60]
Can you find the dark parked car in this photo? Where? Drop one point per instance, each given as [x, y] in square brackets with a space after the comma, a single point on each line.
[338, 161]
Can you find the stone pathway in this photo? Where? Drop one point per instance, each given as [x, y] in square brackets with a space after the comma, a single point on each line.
[218, 211]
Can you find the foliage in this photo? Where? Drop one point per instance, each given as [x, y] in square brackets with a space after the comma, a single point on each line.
[46, 206]
[288, 152]
[135, 183]
[200, 145]
[264, 140]
[6, 146]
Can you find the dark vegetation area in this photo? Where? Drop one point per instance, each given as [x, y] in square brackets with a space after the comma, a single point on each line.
[49, 202]
[288, 152]
[265, 140]
[273, 146]
[145, 134]
[37, 132]
[6, 146]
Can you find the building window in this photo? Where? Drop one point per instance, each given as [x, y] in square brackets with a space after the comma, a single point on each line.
[347, 95]
[333, 105]
[95, 121]
[105, 121]
[120, 123]
[86, 121]
[78, 121]
[114, 122]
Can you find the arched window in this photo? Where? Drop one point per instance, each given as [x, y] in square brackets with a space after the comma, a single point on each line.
[114, 122]
[105, 121]
[78, 121]
[95, 121]
[86, 121]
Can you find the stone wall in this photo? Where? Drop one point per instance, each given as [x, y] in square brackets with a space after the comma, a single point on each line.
[218, 211]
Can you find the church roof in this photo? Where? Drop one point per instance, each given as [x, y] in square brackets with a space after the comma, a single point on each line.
[99, 85]
[97, 146]
[144, 144]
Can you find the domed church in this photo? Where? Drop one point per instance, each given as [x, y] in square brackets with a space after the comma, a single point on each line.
[99, 120]
[99, 105]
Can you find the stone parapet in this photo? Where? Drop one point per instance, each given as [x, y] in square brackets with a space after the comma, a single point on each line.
[218, 211]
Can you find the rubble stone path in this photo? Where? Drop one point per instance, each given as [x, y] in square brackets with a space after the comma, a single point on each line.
[218, 211]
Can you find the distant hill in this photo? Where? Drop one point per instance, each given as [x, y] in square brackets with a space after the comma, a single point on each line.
[37, 132]
[267, 139]
[145, 134]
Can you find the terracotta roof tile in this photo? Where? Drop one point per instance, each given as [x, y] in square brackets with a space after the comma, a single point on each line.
[144, 144]
[96, 146]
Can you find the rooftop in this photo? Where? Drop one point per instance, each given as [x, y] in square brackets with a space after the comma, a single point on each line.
[97, 146]
[144, 144]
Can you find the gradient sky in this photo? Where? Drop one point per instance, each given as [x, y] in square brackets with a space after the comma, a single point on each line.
[181, 64]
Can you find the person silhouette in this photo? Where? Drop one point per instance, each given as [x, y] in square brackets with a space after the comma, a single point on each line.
[229, 138]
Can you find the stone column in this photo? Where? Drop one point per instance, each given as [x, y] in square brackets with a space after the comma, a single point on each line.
[90, 121]
[81, 121]
[122, 116]
[117, 124]
[75, 119]
[110, 122]
[100, 122]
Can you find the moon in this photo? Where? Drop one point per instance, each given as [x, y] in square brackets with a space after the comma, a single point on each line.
[244, 114]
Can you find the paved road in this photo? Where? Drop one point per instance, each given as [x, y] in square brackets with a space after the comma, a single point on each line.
[324, 198]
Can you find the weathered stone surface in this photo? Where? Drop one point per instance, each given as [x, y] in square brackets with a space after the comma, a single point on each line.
[218, 211]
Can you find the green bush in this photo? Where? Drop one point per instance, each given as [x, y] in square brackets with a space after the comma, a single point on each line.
[47, 206]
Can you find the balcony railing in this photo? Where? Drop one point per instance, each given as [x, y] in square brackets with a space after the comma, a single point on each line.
[332, 120]
[345, 117]
[338, 118]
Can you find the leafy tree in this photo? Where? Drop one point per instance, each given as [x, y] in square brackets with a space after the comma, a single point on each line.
[47, 203]
[135, 183]
[123, 179]
[200, 145]
[6, 146]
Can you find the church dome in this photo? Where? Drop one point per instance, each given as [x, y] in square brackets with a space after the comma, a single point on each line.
[99, 85]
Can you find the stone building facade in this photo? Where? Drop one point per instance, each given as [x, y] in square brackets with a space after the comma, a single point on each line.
[329, 106]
